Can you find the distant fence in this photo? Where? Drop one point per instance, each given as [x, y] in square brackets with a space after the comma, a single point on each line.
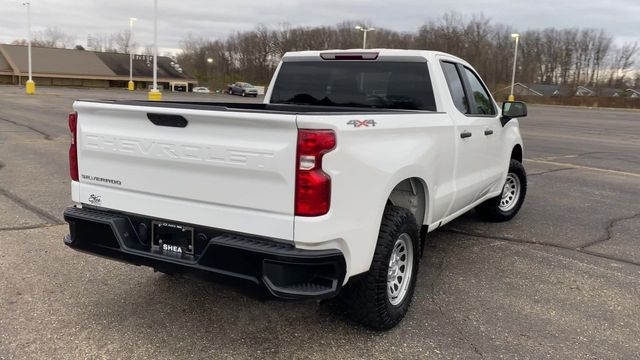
[586, 101]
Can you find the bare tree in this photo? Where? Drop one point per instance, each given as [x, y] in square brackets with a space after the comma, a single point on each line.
[568, 57]
[21, 42]
[100, 42]
[53, 37]
[120, 42]
[622, 64]
[123, 42]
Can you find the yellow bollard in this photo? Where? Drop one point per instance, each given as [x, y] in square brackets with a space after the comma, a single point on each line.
[131, 86]
[512, 98]
[31, 87]
[155, 95]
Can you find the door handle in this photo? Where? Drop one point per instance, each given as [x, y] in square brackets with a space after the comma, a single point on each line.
[488, 132]
[465, 134]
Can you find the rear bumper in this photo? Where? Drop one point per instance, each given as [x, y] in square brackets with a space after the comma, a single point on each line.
[281, 269]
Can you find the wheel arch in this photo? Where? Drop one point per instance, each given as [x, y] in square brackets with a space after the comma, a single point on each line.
[412, 194]
[516, 153]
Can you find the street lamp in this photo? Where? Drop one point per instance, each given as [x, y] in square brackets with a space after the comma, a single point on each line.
[132, 85]
[31, 85]
[210, 61]
[515, 60]
[155, 94]
[364, 30]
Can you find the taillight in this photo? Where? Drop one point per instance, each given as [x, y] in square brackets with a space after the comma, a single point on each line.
[313, 185]
[73, 149]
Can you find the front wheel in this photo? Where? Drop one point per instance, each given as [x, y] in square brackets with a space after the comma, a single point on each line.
[381, 298]
[506, 206]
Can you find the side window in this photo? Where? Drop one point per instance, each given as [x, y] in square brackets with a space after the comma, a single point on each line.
[455, 86]
[484, 105]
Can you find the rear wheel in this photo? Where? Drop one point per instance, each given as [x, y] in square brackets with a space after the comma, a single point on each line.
[506, 206]
[244, 94]
[381, 298]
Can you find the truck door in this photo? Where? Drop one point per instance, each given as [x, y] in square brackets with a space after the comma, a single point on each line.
[485, 112]
[474, 116]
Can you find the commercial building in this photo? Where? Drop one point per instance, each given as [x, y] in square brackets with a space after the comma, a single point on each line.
[81, 68]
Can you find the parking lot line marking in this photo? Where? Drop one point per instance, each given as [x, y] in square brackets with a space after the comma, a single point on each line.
[608, 171]
[509, 239]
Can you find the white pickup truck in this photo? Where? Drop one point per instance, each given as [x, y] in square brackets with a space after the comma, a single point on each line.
[326, 189]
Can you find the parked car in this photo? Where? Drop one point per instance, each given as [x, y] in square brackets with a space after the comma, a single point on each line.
[201, 90]
[326, 189]
[243, 89]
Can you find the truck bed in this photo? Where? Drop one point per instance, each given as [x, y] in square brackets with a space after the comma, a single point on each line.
[256, 107]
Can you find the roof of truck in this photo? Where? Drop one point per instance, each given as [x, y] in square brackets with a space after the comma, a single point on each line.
[382, 54]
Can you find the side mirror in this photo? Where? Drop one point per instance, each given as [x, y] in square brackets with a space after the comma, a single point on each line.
[512, 110]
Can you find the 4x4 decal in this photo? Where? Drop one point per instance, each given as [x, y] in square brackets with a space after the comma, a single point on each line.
[362, 123]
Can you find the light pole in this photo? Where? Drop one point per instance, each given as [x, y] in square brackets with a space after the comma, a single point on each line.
[515, 61]
[155, 94]
[31, 85]
[132, 85]
[210, 61]
[364, 30]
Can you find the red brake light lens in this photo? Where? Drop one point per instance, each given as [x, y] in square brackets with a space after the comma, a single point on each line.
[313, 185]
[315, 142]
[350, 56]
[73, 148]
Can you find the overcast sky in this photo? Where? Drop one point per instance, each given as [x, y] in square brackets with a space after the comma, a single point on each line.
[216, 19]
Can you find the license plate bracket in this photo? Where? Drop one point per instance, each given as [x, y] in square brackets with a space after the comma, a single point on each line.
[172, 239]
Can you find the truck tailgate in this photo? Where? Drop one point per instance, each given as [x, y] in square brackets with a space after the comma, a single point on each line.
[230, 170]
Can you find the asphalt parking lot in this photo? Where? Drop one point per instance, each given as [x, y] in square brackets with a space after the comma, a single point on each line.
[562, 280]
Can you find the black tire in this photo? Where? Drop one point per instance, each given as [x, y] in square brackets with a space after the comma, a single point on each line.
[493, 210]
[244, 94]
[367, 300]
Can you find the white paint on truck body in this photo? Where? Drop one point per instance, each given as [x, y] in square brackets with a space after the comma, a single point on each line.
[228, 170]
[235, 170]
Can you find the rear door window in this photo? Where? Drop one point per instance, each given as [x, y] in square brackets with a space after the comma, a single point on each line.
[456, 87]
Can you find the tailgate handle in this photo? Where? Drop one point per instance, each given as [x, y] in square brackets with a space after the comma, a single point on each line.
[168, 120]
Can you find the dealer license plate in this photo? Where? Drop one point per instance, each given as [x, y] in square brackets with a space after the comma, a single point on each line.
[170, 239]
